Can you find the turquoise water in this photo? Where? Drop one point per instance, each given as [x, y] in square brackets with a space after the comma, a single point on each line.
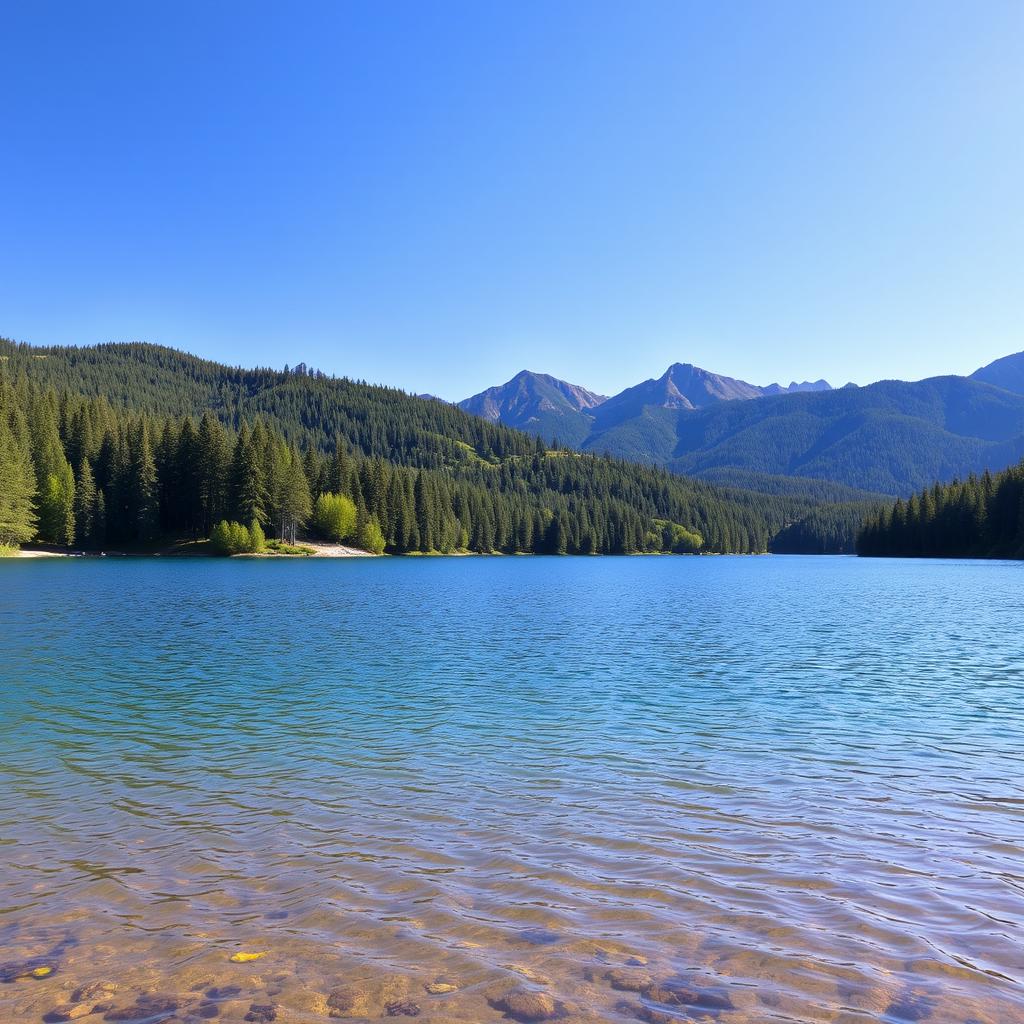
[733, 789]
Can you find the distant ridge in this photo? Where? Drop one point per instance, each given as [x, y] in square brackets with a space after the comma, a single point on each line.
[556, 409]
[685, 386]
[891, 437]
[807, 385]
[1006, 373]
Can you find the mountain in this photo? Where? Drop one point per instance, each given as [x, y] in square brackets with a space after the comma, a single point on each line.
[681, 386]
[540, 404]
[892, 437]
[553, 408]
[1007, 373]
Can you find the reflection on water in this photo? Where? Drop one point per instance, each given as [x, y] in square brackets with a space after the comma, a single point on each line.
[667, 789]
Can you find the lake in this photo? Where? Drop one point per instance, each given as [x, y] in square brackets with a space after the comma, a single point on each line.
[608, 789]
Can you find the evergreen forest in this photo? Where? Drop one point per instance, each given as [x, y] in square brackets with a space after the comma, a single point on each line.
[980, 517]
[139, 447]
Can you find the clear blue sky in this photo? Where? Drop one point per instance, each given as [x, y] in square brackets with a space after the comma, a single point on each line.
[437, 195]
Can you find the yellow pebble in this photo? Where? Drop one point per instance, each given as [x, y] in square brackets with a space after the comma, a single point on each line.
[244, 958]
[440, 988]
[39, 972]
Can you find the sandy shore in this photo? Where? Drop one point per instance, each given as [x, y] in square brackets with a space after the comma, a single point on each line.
[335, 550]
[320, 550]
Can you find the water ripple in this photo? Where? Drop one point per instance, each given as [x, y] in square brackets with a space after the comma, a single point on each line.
[795, 785]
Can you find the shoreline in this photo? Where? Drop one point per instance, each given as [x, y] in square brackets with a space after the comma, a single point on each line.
[324, 550]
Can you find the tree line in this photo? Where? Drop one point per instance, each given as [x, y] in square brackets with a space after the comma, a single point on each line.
[980, 517]
[132, 443]
[80, 472]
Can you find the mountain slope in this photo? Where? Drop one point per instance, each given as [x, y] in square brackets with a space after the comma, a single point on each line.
[891, 437]
[539, 403]
[306, 407]
[1007, 373]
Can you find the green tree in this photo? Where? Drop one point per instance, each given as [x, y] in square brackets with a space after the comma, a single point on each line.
[142, 487]
[334, 517]
[17, 488]
[247, 484]
[295, 503]
[85, 505]
[371, 537]
[258, 540]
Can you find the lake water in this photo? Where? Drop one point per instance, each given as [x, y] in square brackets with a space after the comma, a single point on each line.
[670, 789]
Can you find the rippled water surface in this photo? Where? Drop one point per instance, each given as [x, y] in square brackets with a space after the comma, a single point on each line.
[674, 789]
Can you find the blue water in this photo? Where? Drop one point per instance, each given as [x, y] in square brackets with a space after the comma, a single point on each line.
[792, 788]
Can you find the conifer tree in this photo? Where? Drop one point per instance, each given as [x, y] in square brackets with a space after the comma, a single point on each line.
[85, 505]
[295, 503]
[143, 495]
[247, 485]
[17, 488]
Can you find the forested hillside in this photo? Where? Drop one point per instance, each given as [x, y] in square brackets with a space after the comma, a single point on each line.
[307, 408]
[891, 437]
[133, 445]
[981, 517]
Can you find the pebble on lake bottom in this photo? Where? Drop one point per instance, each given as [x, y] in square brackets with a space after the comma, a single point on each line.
[441, 988]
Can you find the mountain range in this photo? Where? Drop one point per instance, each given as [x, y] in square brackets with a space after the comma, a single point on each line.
[556, 409]
[891, 437]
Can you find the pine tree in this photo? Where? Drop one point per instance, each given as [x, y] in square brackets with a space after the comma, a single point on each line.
[85, 505]
[17, 488]
[295, 503]
[143, 494]
[211, 464]
[247, 486]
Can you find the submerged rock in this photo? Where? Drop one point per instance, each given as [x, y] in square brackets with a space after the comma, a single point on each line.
[368, 999]
[94, 990]
[261, 1013]
[625, 979]
[526, 1005]
[66, 1013]
[402, 1008]
[348, 1001]
[223, 992]
[677, 993]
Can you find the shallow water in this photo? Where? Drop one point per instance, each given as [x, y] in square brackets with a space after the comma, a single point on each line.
[680, 789]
